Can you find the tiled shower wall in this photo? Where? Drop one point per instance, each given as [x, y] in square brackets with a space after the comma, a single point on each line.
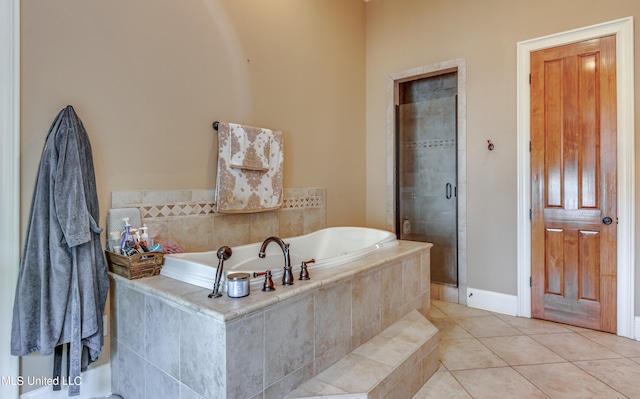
[428, 162]
[187, 217]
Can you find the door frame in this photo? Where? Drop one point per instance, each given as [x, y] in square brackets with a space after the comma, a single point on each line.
[9, 182]
[458, 65]
[623, 29]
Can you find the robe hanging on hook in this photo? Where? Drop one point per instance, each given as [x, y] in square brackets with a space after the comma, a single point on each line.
[490, 146]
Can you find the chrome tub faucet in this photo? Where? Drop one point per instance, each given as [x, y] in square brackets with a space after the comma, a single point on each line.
[287, 277]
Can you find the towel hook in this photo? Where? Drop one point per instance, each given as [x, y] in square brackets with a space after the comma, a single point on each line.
[215, 125]
[490, 146]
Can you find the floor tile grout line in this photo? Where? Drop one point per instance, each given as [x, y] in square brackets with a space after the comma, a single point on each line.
[577, 333]
[532, 383]
[596, 377]
[501, 358]
[605, 346]
[574, 332]
[513, 367]
[596, 343]
[461, 384]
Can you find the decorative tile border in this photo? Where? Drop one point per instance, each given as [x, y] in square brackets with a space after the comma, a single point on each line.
[412, 145]
[304, 202]
[178, 203]
[180, 209]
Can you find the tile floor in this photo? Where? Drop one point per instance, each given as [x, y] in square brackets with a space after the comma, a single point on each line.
[489, 355]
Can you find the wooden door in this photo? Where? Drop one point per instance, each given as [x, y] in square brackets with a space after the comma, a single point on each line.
[573, 184]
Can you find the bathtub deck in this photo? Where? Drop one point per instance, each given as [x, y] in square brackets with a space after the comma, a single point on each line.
[225, 309]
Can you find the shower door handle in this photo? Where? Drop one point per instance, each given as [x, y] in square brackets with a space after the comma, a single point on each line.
[447, 191]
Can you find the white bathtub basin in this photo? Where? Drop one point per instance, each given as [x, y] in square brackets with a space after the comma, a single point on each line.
[329, 247]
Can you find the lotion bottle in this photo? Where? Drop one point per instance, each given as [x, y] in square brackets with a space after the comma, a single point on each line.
[145, 236]
[127, 237]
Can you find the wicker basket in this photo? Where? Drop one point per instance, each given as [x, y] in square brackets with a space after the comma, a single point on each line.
[140, 265]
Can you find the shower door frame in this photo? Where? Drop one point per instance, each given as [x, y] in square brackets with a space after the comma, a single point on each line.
[457, 65]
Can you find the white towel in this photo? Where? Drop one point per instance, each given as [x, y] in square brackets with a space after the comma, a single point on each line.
[250, 147]
[242, 190]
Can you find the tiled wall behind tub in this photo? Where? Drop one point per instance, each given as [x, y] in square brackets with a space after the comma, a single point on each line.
[187, 217]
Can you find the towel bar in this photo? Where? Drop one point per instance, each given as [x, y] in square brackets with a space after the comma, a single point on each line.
[215, 125]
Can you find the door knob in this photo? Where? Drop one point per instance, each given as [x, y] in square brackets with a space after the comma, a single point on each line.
[607, 220]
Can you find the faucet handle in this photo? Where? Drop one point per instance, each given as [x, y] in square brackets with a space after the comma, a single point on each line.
[304, 273]
[268, 282]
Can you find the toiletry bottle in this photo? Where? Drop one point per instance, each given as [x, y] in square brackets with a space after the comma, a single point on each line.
[115, 240]
[406, 226]
[145, 236]
[140, 239]
[127, 237]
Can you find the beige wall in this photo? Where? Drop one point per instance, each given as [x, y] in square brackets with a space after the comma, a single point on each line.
[149, 77]
[403, 34]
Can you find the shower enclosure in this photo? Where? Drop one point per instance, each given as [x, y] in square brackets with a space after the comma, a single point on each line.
[426, 192]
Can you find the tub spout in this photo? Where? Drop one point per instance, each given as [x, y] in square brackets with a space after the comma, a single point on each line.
[287, 277]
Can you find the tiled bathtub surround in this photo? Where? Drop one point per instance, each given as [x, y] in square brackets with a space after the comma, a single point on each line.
[170, 338]
[187, 217]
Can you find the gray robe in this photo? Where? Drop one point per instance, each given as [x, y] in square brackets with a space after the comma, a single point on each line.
[63, 281]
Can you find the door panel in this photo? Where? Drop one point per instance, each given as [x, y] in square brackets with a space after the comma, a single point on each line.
[573, 175]
[554, 242]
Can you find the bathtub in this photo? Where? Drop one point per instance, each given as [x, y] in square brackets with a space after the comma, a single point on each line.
[329, 247]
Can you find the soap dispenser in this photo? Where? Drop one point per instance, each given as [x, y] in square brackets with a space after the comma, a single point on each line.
[145, 236]
[127, 237]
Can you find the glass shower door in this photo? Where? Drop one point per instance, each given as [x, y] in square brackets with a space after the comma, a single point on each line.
[427, 189]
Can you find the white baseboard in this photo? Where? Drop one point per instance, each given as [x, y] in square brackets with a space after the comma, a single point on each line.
[508, 304]
[492, 301]
[96, 383]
